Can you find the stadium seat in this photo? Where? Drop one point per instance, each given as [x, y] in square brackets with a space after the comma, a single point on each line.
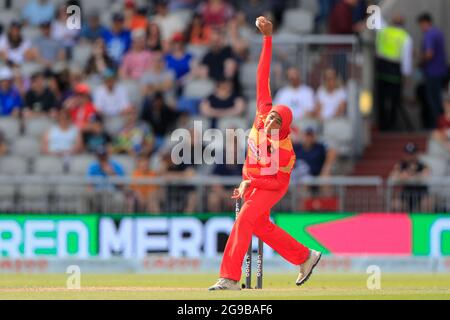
[338, 133]
[197, 51]
[19, 4]
[232, 123]
[13, 165]
[183, 15]
[7, 194]
[199, 88]
[114, 124]
[127, 162]
[69, 198]
[48, 165]
[27, 147]
[81, 54]
[134, 92]
[7, 16]
[80, 164]
[31, 33]
[298, 21]
[34, 197]
[247, 76]
[10, 127]
[29, 68]
[36, 127]
[306, 122]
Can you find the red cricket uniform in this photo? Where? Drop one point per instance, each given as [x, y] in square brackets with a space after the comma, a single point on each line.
[267, 186]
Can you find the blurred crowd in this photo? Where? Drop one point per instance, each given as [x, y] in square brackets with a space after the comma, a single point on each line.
[120, 85]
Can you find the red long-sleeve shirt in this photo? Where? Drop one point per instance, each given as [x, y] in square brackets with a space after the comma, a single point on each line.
[269, 161]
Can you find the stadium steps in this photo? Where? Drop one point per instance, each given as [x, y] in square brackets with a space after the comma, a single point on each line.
[386, 149]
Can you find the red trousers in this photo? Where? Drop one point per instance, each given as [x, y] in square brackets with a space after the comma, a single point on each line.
[254, 219]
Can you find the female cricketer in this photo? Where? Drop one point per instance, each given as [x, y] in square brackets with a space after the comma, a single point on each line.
[266, 175]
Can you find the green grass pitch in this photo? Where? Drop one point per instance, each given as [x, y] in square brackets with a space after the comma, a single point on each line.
[193, 286]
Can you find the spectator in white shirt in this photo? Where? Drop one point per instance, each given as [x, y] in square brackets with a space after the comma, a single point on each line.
[13, 47]
[111, 98]
[168, 23]
[331, 99]
[296, 95]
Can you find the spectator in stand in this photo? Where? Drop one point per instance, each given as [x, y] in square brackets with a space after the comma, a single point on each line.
[215, 13]
[198, 33]
[99, 60]
[135, 19]
[325, 8]
[3, 144]
[313, 157]
[80, 106]
[10, 99]
[63, 138]
[39, 99]
[138, 60]
[178, 59]
[147, 197]
[433, 63]
[442, 133]
[298, 96]
[169, 24]
[224, 102]
[93, 29]
[135, 137]
[182, 4]
[36, 12]
[341, 18]
[160, 116]
[118, 39]
[411, 172]
[153, 37]
[159, 79]
[219, 61]
[331, 99]
[14, 49]
[95, 137]
[66, 36]
[111, 98]
[46, 49]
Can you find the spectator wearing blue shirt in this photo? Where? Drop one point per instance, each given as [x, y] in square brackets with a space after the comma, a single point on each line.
[118, 39]
[313, 158]
[105, 167]
[38, 11]
[434, 64]
[93, 29]
[10, 100]
[178, 59]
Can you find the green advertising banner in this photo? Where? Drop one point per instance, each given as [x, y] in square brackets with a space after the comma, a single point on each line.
[205, 235]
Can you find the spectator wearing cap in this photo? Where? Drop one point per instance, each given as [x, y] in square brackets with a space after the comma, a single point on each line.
[37, 11]
[298, 96]
[159, 79]
[138, 60]
[39, 99]
[178, 59]
[66, 36]
[118, 38]
[10, 98]
[46, 49]
[168, 23]
[135, 137]
[442, 133]
[80, 106]
[95, 137]
[331, 97]
[411, 172]
[14, 49]
[223, 103]
[92, 29]
[99, 61]
[216, 13]
[134, 18]
[313, 157]
[62, 139]
[434, 65]
[111, 98]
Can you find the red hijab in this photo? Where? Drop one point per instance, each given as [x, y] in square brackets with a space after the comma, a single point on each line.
[286, 120]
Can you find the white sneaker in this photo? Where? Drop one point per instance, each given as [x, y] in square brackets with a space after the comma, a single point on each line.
[225, 284]
[308, 266]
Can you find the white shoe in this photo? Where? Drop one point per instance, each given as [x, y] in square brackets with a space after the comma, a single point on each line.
[225, 284]
[308, 266]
